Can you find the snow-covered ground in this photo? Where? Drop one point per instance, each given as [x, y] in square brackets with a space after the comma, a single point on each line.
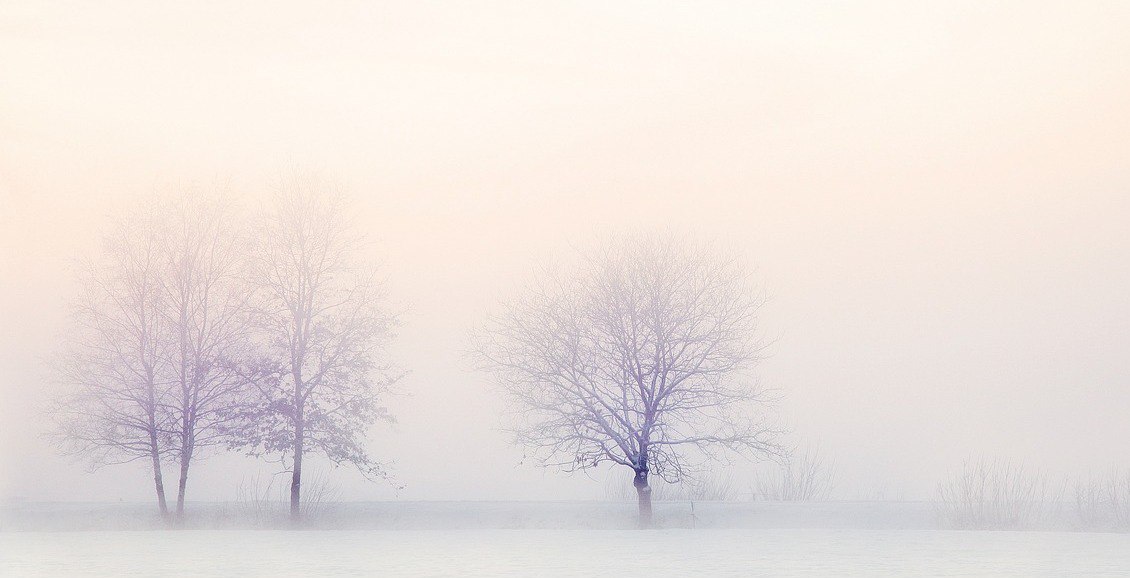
[479, 515]
[538, 539]
[221, 553]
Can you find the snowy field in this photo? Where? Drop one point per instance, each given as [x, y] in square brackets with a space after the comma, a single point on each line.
[539, 539]
[660, 553]
[484, 515]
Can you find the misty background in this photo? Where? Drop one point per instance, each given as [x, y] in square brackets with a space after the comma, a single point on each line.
[937, 207]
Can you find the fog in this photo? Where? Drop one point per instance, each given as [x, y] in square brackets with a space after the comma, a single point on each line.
[934, 197]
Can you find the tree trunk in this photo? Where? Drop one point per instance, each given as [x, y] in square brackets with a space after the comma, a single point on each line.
[297, 357]
[187, 446]
[158, 480]
[185, 457]
[296, 473]
[643, 491]
[154, 448]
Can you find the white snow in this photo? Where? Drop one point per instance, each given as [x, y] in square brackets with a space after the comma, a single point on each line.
[656, 554]
[408, 515]
[538, 539]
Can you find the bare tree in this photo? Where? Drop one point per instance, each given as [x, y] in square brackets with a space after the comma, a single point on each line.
[206, 300]
[636, 359]
[320, 381]
[116, 406]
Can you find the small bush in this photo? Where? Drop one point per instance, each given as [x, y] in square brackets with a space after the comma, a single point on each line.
[1103, 503]
[996, 495]
[803, 477]
[266, 503]
[701, 488]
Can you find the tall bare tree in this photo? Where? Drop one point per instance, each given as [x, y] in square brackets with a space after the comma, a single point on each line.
[322, 379]
[161, 328]
[116, 406]
[638, 358]
[206, 298]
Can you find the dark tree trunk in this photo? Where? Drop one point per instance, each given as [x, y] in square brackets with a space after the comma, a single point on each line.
[187, 446]
[186, 417]
[297, 357]
[296, 472]
[186, 456]
[154, 447]
[158, 480]
[643, 491]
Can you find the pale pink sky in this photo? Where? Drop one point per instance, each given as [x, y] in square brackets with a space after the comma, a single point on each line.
[936, 196]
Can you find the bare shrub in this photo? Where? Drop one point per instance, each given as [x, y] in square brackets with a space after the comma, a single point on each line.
[996, 495]
[1103, 503]
[263, 500]
[321, 494]
[713, 488]
[702, 488]
[803, 477]
[256, 502]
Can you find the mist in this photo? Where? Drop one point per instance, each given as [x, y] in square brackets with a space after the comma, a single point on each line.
[933, 199]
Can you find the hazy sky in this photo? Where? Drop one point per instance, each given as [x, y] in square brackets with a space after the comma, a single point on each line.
[935, 196]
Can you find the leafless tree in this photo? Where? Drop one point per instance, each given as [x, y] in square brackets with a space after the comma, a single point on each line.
[207, 317]
[116, 406]
[638, 358]
[162, 323]
[321, 379]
